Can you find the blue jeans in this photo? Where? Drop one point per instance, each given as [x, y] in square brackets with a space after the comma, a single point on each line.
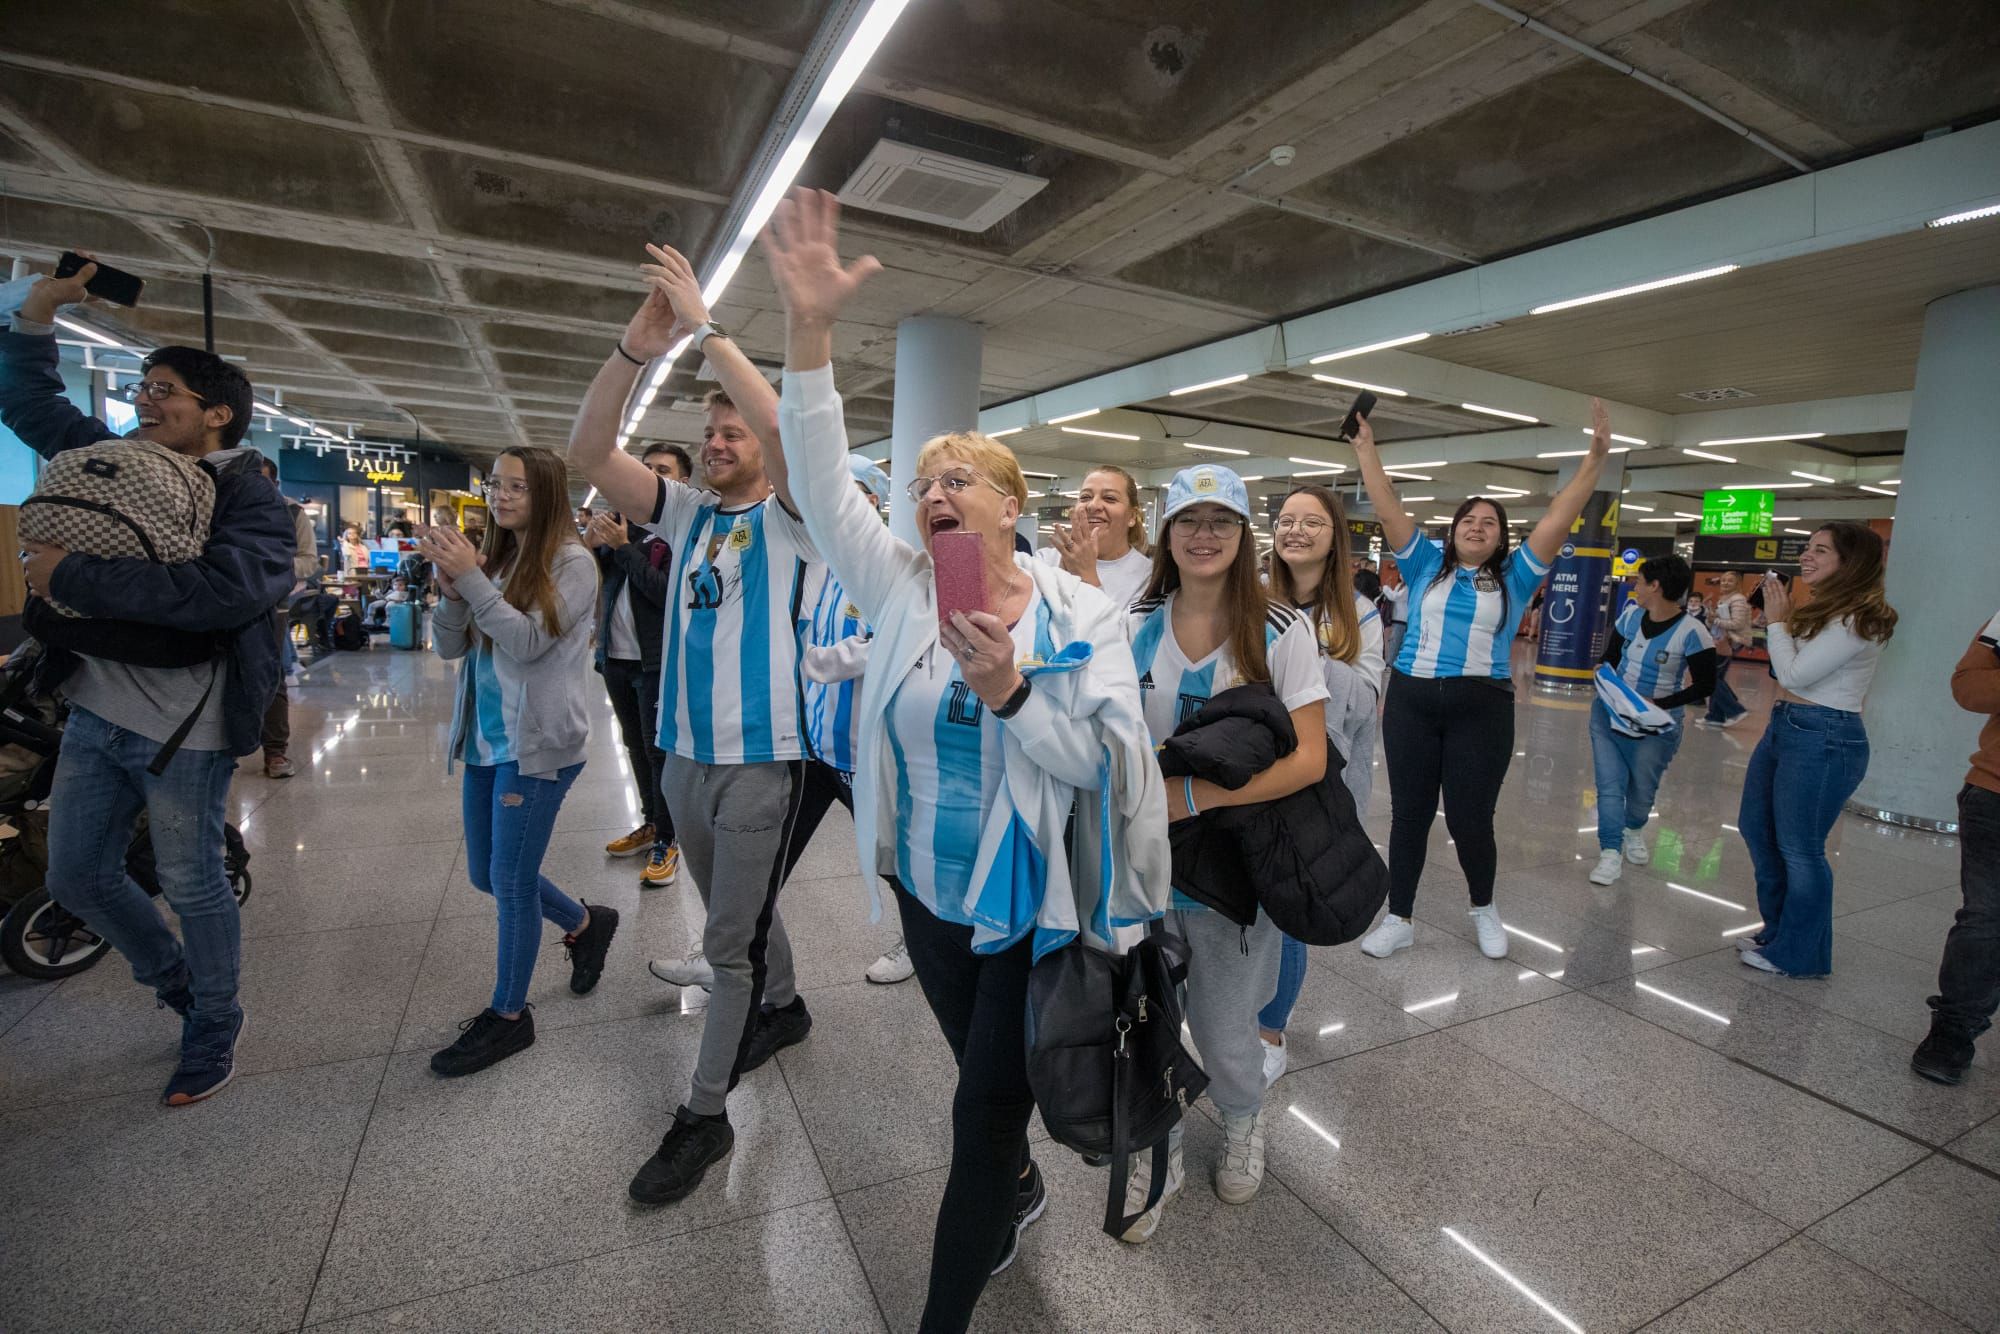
[1629, 769]
[101, 785]
[1723, 704]
[1805, 767]
[508, 820]
[1291, 979]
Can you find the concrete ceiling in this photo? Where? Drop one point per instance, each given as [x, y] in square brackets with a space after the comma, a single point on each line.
[437, 207]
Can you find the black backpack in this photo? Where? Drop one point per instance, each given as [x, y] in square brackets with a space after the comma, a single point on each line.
[348, 632]
[1105, 1060]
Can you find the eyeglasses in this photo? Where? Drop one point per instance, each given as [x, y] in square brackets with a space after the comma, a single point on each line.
[1310, 524]
[1212, 525]
[156, 390]
[955, 483]
[511, 490]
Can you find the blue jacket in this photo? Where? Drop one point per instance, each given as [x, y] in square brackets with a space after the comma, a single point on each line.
[243, 573]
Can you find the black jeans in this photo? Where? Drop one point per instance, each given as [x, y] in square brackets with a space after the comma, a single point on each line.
[980, 1002]
[1969, 978]
[635, 701]
[823, 787]
[1453, 735]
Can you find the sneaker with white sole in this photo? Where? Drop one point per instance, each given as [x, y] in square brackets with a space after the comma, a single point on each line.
[1492, 935]
[894, 965]
[693, 971]
[1636, 850]
[1392, 934]
[662, 865]
[1276, 1054]
[1241, 1171]
[1139, 1185]
[1755, 958]
[1610, 865]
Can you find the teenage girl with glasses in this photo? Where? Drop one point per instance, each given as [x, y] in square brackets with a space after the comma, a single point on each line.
[517, 615]
[1448, 724]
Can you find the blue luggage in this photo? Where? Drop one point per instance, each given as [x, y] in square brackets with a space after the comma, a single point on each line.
[403, 623]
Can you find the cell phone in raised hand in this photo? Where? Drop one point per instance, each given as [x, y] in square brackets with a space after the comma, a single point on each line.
[960, 565]
[1350, 426]
[111, 284]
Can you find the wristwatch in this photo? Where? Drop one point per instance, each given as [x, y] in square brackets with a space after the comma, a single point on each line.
[706, 332]
[1015, 700]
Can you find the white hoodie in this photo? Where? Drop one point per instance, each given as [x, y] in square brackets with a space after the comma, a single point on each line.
[1079, 741]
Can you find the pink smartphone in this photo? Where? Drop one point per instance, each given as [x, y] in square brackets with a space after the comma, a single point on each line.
[960, 559]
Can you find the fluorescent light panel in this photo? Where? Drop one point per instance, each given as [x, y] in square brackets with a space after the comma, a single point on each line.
[1386, 343]
[1106, 435]
[1627, 439]
[1878, 490]
[1320, 463]
[1813, 477]
[1363, 384]
[1764, 486]
[1634, 289]
[1703, 454]
[1213, 449]
[1011, 430]
[1500, 412]
[1074, 416]
[1208, 384]
[1953, 219]
[1643, 509]
[1761, 439]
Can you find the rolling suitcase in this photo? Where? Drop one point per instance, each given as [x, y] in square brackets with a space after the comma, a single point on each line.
[403, 621]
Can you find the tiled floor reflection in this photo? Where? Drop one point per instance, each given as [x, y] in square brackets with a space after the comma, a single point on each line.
[1616, 1127]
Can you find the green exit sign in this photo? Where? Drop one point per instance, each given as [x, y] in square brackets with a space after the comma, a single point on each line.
[1737, 513]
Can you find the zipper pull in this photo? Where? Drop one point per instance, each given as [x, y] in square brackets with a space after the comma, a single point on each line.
[1142, 1009]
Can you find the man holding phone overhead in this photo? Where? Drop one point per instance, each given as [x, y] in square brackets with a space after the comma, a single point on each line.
[737, 770]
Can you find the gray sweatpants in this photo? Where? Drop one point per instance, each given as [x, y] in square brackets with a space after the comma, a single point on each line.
[733, 822]
[1226, 987]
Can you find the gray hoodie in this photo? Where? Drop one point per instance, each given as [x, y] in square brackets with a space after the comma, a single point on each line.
[542, 676]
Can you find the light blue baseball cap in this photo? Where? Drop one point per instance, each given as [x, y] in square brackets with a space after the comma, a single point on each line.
[1205, 484]
[870, 476]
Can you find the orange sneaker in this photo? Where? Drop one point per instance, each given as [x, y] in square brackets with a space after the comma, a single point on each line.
[634, 843]
[661, 867]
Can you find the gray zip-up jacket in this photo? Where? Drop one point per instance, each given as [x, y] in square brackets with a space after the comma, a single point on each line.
[542, 676]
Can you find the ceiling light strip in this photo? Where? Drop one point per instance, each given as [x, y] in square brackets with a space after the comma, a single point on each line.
[1501, 412]
[1208, 384]
[1760, 439]
[1971, 214]
[1362, 384]
[1634, 289]
[1382, 346]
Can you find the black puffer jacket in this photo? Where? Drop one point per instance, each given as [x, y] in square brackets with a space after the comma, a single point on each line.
[1304, 859]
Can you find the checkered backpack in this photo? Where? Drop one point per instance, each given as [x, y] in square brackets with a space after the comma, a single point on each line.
[121, 498]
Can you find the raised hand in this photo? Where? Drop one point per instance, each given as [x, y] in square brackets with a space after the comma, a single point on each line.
[1076, 543]
[1364, 434]
[801, 246]
[49, 295]
[1600, 428]
[655, 327]
[673, 275]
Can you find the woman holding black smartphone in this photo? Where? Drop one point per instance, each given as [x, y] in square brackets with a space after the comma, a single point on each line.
[980, 730]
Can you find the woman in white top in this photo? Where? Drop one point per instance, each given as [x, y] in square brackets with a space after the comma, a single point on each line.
[1314, 573]
[1105, 541]
[1204, 625]
[977, 739]
[1815, 750]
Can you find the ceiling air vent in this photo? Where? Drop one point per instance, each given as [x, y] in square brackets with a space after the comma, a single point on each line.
[1722, 395]
[935, 187]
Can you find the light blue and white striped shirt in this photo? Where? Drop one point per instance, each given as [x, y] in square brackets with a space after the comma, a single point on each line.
[1658, 666]
[949, 760]
[1458, 628]
[729, 671]
[832, 719]
[486, 741]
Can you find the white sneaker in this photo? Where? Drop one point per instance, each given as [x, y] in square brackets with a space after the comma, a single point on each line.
[1140, 1184]
[1275, 1056]
[1610, 865]
[1636, 850]
[1392, 934]
[894, 966]
[693, 971]
[1492, 935]
[1241, 1170]
[1755, 958]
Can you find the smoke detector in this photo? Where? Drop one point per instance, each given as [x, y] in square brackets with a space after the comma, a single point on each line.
[1721, 395]
[928, 186]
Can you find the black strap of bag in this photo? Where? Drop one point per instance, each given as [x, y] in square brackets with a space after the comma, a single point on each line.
[1116, 1221]
[173, 743]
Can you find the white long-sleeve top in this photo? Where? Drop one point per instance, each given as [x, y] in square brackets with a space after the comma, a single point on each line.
[1832, 669]
[1079, 741]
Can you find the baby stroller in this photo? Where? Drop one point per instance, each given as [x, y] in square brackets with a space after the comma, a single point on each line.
[39, 938]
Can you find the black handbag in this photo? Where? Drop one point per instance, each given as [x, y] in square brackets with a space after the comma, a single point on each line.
[1105, 1060]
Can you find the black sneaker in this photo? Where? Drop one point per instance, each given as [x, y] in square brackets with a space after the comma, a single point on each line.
[1942, 1057]
[1029, 1205]
[686, 1152]
[776, 1030]
[483, 1040]
[588, 947]
[208, 1061]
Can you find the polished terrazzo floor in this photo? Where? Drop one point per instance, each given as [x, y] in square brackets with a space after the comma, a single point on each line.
[1630, 1127]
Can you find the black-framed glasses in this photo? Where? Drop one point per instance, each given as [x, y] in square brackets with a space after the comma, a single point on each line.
[955, 481]
[157, 391]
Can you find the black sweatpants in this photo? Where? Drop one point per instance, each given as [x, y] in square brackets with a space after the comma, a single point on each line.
[635, 702]
[980, 1002]
[1453, 735]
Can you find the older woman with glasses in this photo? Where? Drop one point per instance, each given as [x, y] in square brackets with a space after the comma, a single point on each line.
[978, 738]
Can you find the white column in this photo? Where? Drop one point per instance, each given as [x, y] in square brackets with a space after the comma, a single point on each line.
[1944, 566]
[937, 390]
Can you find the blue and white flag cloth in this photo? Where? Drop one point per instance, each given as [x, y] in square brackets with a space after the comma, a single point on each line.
[1632, 714]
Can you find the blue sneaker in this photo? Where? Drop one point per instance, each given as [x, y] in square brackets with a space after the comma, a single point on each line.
[207, 1063]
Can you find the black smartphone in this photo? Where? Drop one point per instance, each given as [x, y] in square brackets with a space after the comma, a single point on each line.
[1364, 404]
[111, 284]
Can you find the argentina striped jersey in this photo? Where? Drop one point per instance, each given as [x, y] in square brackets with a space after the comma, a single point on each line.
[831, 716]
[1461, 625]
[1658, 666]
[729, 680]
[947, 747]
[485, 740]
